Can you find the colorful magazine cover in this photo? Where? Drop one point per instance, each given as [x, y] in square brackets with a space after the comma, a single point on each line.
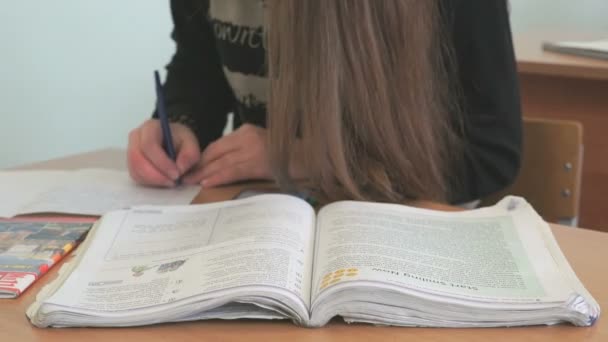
[29, 247]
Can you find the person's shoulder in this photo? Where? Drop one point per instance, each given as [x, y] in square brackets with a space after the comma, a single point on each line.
[466, 14]
[189, 10]
[190, 4]
[472, 7]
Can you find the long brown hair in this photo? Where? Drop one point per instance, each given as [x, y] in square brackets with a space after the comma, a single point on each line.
[364, 86]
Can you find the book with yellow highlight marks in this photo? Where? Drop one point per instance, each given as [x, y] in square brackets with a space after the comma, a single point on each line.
[274, 257]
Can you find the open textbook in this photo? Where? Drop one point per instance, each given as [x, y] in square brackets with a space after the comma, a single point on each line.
[271, 257]
[82, 191]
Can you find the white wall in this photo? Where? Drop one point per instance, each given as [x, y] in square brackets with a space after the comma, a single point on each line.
[568, 15]
[77, 75]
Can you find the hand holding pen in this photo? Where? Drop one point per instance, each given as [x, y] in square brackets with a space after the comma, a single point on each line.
[159, 152]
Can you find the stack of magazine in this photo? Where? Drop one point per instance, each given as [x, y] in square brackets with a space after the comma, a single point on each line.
[30, 246]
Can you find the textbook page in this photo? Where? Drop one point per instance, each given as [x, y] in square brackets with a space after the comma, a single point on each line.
[489, 255]
[84, 191]
[157, 256]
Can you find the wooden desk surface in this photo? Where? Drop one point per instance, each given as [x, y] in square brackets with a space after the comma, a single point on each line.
[532, 59]
[586, 251]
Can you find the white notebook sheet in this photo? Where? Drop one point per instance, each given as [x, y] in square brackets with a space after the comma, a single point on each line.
[83, 191]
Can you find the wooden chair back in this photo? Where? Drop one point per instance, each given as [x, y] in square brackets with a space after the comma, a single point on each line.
[550, 177]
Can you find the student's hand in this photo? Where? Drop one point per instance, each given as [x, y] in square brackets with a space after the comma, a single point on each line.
[237, 156]
[148, 162]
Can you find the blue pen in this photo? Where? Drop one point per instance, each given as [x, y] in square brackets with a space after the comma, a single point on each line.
[164, 120]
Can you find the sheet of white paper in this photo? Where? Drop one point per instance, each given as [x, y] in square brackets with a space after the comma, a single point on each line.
[20, 187]
[84, 191]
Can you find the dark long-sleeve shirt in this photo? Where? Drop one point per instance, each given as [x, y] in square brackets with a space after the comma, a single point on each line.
[219, 67]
